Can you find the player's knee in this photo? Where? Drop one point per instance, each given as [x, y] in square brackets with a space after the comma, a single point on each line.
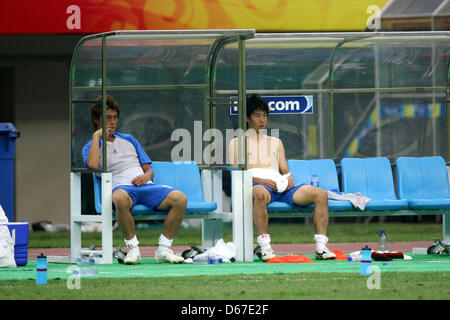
[259, 195]
[121, 200]
[178, 199]
[321, 196]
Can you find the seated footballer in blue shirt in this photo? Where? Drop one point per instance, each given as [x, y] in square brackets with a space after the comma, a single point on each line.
[132, 183]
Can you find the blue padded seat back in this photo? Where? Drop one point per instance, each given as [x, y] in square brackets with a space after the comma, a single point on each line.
[184, 176]
[370, 176]
[422, 178]
[302, 171]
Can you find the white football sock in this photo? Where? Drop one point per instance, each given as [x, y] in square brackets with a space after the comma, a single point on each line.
[164, 243]
[264, 241]
[321, 242]
[133, 242]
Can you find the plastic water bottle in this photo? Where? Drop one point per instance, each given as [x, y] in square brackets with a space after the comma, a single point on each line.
[207, 260]
[366, 260]
[382, 241]
[214, 260]
[86, 272]
[315, 180]
[41, 269]
[202, 260]
[83, 261]
[355, 256]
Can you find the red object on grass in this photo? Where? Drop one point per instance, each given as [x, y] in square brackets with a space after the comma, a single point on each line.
[340, 255]
[290, 259]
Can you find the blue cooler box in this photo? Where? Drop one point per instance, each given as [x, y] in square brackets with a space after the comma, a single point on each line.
[19, 234]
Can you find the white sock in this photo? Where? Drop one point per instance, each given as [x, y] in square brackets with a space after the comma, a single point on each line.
[264, 241]
[133, 242]
[164, 243]
[321, 242]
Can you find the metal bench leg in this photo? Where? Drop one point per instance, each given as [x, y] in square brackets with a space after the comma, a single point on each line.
[446, 228]
[237, 207]
[212, 231]
[248, 216]
[242, 203]
[75, 210]
[107, 232]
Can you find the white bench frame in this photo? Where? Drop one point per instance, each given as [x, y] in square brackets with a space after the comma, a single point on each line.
[212, 222]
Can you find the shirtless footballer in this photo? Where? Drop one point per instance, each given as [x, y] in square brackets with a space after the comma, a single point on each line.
[265, 152]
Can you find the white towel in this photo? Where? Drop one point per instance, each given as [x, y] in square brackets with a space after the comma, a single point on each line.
[358, 200]
[280, 180]
[3, 217]
[223, 250]
[6, 243]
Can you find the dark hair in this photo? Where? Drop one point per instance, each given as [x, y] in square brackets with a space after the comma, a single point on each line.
[255, 102]
[97, 108]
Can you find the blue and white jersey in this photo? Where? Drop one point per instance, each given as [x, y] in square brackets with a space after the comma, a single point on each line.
[125, 156]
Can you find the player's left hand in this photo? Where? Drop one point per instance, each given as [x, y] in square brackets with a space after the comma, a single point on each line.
[140, 180]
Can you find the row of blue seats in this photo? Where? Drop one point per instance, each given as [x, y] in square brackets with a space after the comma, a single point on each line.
[422, 182]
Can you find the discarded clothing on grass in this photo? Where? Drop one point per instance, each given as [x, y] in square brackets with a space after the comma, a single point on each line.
[386, 255]
[358, 200]
[280, 180]
[379, 256]
[290, 259]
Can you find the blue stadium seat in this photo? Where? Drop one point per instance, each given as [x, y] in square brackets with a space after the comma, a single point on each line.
[373, 178]
[183, 176]
[423, 182]
[301, 171]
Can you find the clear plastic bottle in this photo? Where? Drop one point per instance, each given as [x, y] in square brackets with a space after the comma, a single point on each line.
[202, 260]
[207, 260]
[314, 180]
[85, 261]
[86, 272]
[214, 260]
[355, 256]
[382, 241]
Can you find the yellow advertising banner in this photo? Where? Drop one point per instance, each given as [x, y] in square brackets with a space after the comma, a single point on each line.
[91, 16]
[265, 15]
